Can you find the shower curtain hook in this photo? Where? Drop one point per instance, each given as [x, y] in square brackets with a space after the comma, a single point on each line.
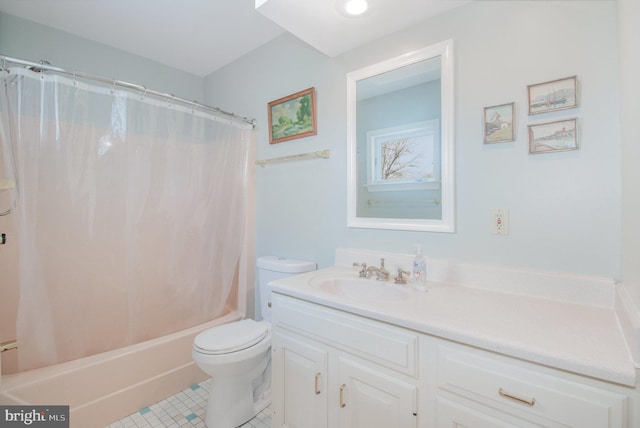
[113, 86]
[42, 69]
[143, 93]
[75, 80]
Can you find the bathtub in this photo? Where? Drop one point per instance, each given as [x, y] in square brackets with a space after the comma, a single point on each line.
[103, 388]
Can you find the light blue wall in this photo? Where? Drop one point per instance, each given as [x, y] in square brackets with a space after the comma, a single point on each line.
[300, 206]
[30, 41]
[564, 207]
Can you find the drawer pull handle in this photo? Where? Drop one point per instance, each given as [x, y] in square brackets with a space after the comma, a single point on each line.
[316, 384]
[342, 387]
[504, 394]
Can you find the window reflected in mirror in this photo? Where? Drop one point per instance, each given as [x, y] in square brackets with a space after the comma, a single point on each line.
[400, 136]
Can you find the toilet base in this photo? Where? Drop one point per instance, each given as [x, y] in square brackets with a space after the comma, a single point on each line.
[226, 410]
[236, 400]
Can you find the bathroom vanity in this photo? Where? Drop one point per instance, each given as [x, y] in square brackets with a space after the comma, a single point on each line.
[345, 355]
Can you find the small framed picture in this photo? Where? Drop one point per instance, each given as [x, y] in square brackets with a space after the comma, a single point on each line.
[498, 123]
[293, 116]
[555, 95]
[558, 136]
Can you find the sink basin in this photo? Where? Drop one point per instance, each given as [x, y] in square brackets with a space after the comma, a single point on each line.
[368, 290]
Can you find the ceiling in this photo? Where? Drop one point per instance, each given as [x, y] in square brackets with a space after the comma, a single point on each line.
[201, 36]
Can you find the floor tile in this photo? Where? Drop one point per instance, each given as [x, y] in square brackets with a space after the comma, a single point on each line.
[185, 409]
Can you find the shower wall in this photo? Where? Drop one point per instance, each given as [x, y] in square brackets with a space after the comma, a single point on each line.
[24, 39]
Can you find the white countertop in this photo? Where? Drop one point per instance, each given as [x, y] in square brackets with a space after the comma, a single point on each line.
[577, 338]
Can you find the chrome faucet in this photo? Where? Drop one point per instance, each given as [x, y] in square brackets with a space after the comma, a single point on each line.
[381, 273]
[363, 272]
[401, 279]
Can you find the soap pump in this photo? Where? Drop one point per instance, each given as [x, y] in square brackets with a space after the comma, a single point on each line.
[419, 272]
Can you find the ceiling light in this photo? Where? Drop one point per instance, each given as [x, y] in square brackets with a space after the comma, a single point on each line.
[356, 7]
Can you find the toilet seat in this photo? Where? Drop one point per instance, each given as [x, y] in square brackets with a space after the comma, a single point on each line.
[231, 337]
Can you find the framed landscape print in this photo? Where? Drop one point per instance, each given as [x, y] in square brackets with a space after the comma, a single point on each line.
[498, 123]
[558, 136]
[292, 117]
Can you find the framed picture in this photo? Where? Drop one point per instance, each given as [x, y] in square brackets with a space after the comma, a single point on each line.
[293, 116]
[498, 123]
[404, 157]
[555, 95]
[558, 136]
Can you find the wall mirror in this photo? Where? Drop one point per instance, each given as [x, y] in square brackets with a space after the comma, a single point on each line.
[400, 125]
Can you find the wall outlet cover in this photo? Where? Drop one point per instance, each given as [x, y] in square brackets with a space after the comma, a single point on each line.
[499, 221]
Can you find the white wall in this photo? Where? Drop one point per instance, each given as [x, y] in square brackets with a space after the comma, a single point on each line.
[564, 207]
[629, 33]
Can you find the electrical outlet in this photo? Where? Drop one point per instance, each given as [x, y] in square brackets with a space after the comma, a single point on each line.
[499, 221]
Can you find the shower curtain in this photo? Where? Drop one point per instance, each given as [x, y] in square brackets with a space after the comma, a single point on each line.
[130, 212]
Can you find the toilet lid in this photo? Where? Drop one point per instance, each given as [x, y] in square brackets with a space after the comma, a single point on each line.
[231, 337]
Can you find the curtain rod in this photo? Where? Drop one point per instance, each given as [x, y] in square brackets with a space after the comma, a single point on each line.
[45, 65]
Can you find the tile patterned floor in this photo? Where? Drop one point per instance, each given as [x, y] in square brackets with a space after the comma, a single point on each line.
[185, 409]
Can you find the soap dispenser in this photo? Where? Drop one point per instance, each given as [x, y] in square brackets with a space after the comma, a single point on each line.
[419, 273]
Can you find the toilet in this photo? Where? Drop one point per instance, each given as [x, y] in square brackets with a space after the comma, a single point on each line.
[237, 354]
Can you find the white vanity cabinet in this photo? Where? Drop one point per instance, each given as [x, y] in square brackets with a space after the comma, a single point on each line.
[335, 369]
[478, 389]
[456, 356]
[299, 382]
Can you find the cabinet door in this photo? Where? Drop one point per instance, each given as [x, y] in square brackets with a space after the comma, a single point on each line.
[370, 399]
[299, 389]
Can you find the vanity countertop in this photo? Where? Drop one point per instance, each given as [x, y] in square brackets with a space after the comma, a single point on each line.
[577, 338]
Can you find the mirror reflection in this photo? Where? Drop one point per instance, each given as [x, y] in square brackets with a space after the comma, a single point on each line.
[400, 127]
[398, 143]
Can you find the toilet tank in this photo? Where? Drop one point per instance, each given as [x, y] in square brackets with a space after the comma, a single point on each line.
[271, 268]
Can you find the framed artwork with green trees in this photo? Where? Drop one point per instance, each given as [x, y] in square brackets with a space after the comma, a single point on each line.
[293, 117]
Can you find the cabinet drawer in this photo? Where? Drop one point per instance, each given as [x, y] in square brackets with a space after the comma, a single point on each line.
[384, 344]
[514, 388]
[452, 414]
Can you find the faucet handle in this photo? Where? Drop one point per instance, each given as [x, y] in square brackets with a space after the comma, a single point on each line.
[363, 272]
[401, 279]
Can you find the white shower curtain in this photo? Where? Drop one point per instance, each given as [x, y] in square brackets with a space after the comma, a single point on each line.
[131, 214]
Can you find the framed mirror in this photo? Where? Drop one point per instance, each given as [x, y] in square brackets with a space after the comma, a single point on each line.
[400, 126]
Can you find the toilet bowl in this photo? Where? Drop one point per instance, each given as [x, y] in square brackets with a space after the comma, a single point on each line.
[237, 355]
